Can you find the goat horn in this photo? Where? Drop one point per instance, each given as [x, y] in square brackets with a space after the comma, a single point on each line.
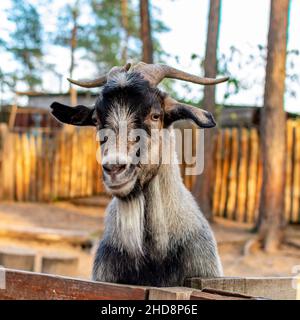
[102, 80]
[155, 73]
[90, 83]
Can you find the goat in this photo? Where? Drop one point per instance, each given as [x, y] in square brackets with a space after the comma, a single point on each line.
[155, 233]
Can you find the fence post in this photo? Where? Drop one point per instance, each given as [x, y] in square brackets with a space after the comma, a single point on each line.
[7, 163]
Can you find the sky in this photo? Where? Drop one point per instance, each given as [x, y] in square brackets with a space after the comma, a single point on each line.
[244, 25]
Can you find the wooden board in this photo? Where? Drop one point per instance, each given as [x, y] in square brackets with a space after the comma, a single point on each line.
[232, 185]
[242, 177]
[252, 176]
[267, 287]
[34, 286]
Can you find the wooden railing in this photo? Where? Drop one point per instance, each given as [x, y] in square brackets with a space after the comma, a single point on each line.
[21, 285]
[36, 286]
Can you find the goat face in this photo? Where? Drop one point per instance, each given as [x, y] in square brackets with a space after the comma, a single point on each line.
[127, 112]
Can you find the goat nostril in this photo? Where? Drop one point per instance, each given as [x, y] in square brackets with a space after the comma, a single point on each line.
[114, 168]
[106, 167]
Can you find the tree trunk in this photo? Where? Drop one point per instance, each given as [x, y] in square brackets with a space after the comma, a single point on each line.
[273, 131]
[124, 17]
[203, 187]
[146, 38]
[73, 45]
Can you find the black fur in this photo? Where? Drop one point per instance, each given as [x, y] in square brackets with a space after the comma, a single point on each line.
[149, 270]
[77, 116]
[137, 95]
[180, 113]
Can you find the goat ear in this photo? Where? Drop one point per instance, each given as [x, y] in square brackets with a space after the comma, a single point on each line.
[77, 116]
[175, 110]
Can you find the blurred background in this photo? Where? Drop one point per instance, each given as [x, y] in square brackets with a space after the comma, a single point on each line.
[52, 201]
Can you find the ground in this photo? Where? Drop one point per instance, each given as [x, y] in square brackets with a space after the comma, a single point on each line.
[231, 238]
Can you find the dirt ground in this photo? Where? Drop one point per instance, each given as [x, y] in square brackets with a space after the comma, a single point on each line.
[231, 238]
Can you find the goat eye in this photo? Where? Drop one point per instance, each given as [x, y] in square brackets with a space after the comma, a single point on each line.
[155, 116]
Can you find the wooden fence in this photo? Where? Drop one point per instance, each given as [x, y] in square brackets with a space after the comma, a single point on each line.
[41, 165]
[238, 174]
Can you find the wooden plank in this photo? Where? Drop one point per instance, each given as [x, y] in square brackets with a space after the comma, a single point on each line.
[59, 264]
[67, 162]
[56, 167]
[267, 287]
[242, 177]
[73, 173]
[225, 171]
[183, 293]
[26, 165]
[202, 295]
[83, 185]
[47, 167]
[174, 293]
[7, 164]
[91, 157]
[34, 286]
[296, 178]
[289, 169]
[229, 294]
[218, 176]
[259, 184]
[18, 167]
[40, 167]
[62, 148]
[17, 258]
[99, 185]
[252, 177]
[232, 186]
[33, 166]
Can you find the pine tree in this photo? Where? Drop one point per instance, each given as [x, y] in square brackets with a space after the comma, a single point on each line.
[26, 41]
[146, 32]
[114, 35]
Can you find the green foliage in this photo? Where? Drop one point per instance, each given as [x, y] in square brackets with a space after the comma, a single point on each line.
[107, 38]
[69, 17]
[106, 35]
[26, 41]
[158, 27]
[100, 32]
[232, 64]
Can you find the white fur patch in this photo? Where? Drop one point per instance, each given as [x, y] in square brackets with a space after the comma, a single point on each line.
[120, 114]
[120, 79]
[157, 217]
[130, 224]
